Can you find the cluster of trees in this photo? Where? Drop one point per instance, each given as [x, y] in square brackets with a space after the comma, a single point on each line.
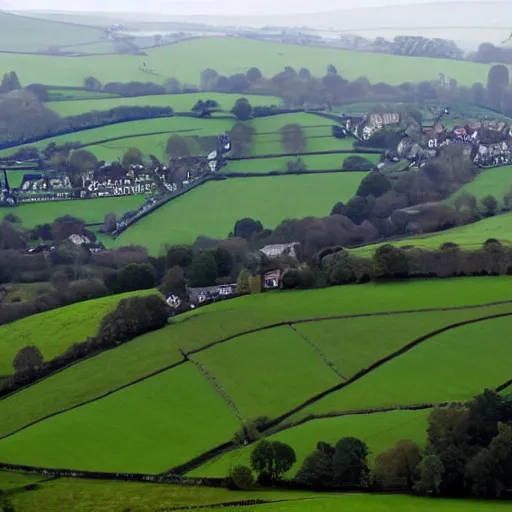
[131, 89]
[468, 453]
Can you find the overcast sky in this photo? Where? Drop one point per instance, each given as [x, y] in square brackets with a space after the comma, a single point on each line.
[220, 7]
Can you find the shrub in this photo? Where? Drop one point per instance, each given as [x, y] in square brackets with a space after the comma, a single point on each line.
[28, 358]
[136, 276]
[242, 478]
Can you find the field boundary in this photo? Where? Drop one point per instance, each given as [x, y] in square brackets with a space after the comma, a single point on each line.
[214, 452]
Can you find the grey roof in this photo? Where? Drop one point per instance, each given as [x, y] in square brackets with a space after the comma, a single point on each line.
[279, 249]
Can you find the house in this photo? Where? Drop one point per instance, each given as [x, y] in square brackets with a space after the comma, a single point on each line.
[272, 279]
[200, 295]
[277, 250]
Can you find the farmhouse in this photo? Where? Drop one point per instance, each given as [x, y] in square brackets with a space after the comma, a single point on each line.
[200, 295]
[272, 279]
[277, 250]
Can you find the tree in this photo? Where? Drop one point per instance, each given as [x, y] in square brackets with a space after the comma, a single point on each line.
[40, 91]
[81, 162]
[209, 79]
[174, 282]
[375, 184]
[109, 223]
[241, 136]
[10, 82]
[253, 75]
[297, 165]
[357, 163]
[498, 80]
[224, 260]
[242, 478]
[305, 74]
[203, 270]
[431, 471]
[173, 86]
[247, 228]
[242, 109]
[132, 156]
[396, 467]
[480, 471]
[490, 205]
[292, 138]
[350, 465]
[242, 282]
[28, 358]
[177, 147]
[389, 261]
[6, 505]
[501, 453]
[92, 83]
[271, 459]
[317, 470]
[136, 276]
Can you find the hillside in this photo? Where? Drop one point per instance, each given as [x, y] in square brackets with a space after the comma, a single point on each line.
[187, 59]
[264, 373]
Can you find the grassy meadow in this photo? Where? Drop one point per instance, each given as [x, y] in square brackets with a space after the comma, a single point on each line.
[265, 373]
[270, 200]
[187, 59]
[56, 330]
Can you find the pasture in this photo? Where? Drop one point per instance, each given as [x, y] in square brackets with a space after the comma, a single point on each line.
[56, 330]
[178, 102]
[92, 211]
[187, 59]
[270, 200]
[379, 430]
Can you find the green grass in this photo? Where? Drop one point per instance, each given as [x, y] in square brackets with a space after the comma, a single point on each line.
[157, 350]
[54, 331]
[147, 428]
[270, 200]
[22, 292]
[57, 94]
[471, 236]
[23, 34]
[179, 102]
[454, 365]
[269, 372]
[16, 177]
[73, 495]
[186, 60]
[11, 481]
[380, 431]
[90, 210]
[313, 163]
[494, 182]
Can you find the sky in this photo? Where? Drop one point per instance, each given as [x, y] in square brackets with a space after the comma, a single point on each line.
[207, 7]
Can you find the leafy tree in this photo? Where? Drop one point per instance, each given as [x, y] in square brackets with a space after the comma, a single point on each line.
[431, 471]
[375, 184]
[177, 147]
[253, 75]
[271, 459]
[490, 205]
[179, 256]
[396, 467]
[498, 80]
[305, 74]
[203, 270]
[501, 452]
[242, 109]
[136, 276]
[247, 228]
[242, 282]
[242, 478]
[174, 282]
[81, 162]
[10, 82]
[317, 470]
[28, 358]
[132, 156]
[350, 465]
[209, 79]
[292, 138]
[241, 136]
[109, 223]
[390, 261]
[92, 83]
[39, 91]
[480, 472]
[224, 260]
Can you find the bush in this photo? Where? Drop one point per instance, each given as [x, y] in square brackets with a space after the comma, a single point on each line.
[131, 318]
[242, 478]
[28, 358]
[136, 276]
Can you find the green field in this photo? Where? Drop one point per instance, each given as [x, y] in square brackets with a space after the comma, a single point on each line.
[494, 182]
[379, 431]
[452, 366]
[471, 236]
[111, 434]
[56, 94]
[186, 60]
[270, 200]
[91, 211]
[313, 163]
[55, 331]
[23, 34]
[179, 102]
[10, 481]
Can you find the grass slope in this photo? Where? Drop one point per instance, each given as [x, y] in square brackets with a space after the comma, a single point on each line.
[23, 34]
[112, 369]
[270, 200]
[494, 182]
[11, 481]
[454, 365]
[186, 60]
[91, 211]
[268, 372]
[380, 431]
[112, 434]
[54, 331]
[179, 102]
